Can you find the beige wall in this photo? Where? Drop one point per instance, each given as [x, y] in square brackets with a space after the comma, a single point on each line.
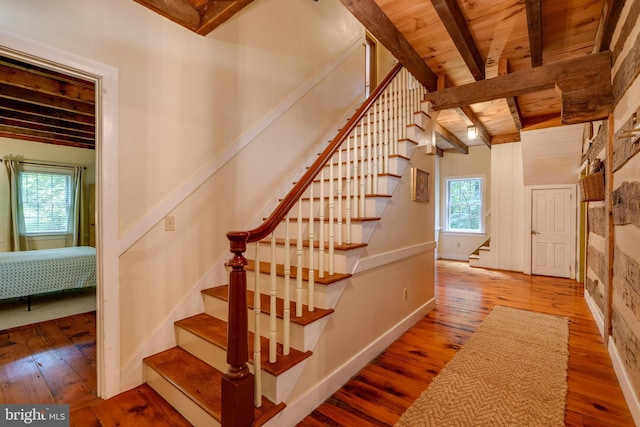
[476, 163]
[40, 152]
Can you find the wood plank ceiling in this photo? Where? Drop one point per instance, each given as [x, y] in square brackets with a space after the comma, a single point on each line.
[500, 65]
[40, 105]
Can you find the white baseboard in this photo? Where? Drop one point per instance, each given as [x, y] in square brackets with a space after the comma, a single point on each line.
[296, 411]
[595, 312]
[452, 256]
[625, 384]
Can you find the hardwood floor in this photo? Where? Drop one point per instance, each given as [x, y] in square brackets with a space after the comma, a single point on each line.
[54, 362]
[385, 388]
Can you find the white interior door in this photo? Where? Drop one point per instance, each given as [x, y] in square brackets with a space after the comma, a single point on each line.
[551, 232]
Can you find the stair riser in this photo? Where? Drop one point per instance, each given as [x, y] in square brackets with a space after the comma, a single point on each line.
[405, 148]
[185, 406]
[325, 296]
[217, 357]
[385, 184]
[302, 338]
[344, 261]
[396, 165]
[360, 231]
[374, 206]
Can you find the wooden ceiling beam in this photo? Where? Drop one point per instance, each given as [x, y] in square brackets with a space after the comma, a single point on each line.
[505, 138]
[47, 121]
[380, 26]
[216, 13]
[611, 11]
[534, 24]
[39, 136]
[483, 133]
[439, 152]
[580, 70]
[21, 124]
[451, 139]
[178, 11]
[46, 100]
[456, 25]
[47, 112]
[503, 69]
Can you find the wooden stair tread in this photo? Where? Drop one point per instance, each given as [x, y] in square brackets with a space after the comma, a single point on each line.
[214, 331]
[265, 267]
[200, 382]
[316, 244]
[308, 317]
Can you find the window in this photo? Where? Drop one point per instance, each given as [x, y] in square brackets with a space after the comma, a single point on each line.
[465, 205]
[46, 201]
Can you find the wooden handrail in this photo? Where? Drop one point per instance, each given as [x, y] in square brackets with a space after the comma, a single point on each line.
[237, 400]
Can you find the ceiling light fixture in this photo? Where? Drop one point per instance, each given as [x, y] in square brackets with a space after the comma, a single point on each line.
[472, 132]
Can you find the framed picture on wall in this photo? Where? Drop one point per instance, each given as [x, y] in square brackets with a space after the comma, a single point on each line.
[419, 185]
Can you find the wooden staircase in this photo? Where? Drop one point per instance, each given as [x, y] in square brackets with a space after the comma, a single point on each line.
[189, 375]
[481, 256]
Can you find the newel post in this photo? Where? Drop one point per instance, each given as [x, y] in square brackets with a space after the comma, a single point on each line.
[237, 383]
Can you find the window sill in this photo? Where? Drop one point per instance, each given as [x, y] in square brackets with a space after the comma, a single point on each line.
[464, 233]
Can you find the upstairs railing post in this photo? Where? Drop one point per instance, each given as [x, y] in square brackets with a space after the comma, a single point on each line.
[237, 383]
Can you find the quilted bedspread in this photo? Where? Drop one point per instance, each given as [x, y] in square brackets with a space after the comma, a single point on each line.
[48, 270]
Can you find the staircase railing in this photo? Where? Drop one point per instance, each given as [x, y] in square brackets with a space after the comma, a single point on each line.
[364, 146]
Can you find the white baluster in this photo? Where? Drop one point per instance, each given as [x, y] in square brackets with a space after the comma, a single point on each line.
[332, 224]
[363, 170]
[340, 186]
[311, 278]
[321, 230]
[273, 339]
[299, 254]
[356, 174]
[376, 141]
[348, 186]
[387, 136]
[257, 350]
[369, 154]
[287, 282]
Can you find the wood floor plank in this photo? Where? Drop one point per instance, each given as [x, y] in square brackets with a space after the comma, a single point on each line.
[464, 297]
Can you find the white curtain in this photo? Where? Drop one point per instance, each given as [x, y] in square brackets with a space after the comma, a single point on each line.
[76, 210]
[18, 235]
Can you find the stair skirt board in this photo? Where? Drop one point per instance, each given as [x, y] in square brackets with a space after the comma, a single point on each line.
[185, 406]
[303, 406]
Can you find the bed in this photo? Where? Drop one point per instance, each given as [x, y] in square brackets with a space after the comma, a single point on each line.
[27, 273]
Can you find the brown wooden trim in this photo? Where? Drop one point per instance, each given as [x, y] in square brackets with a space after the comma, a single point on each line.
[213, 17]
[504, 68]
[629, 23]
[505, 138]
[380, 26]
[611, 11]
[628, 71]
[439, 152]
[521, 82]
[534, 23]
[483, 133]
[451, 139]
[610, 237]
[178, 11]
[456, 25]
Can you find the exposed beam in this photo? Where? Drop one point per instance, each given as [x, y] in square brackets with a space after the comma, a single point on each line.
[534, 23]
[179, 11]
[377, 23]
[504, 69]
[566, 74]
[451, 139]
[455, 23]
[217, 13]
[483, 133]
[611, 11]
[542, 122]
[505, 138]
[46, 100]
[47, 112]
[439, 152]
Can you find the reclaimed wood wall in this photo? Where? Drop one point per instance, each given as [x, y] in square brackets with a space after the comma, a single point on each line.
[613, 244]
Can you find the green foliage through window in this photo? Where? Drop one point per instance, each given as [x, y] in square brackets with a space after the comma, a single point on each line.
[46, 202]
[464, 204]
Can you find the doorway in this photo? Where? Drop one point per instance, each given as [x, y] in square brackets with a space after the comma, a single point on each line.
[105, 79]
[552, 231]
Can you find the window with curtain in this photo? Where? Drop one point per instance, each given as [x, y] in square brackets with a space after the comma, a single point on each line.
[464, 198]
[46, 201]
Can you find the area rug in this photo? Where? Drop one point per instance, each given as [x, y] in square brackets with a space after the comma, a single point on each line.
[13, 312]
[511, 372]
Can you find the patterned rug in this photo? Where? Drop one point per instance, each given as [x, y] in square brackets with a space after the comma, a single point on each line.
[511, 372]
